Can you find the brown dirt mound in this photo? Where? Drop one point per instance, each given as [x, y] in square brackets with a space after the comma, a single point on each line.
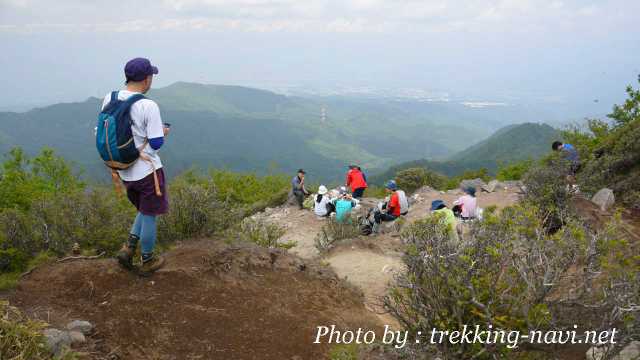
[210, 302]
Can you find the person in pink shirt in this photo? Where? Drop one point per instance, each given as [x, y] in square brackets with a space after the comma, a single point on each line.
[467, 205]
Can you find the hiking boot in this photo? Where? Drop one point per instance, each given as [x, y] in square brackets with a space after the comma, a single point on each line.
[125, 257]
[150, 266]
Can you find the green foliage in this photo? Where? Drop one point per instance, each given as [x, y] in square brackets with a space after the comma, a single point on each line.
[511, 144]
[263, 233]
[333, 231]
[629, 111]
[412, 179]
[502, 274]
[547, 189]
[513, 171]
[44, 208]
[12, 260]
[24, 180]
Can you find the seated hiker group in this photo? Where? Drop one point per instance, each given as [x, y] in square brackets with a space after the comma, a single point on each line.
[340, 202]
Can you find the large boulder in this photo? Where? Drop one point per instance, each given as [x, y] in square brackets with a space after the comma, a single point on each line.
[492, 186]
[474, 183]
[604, 199]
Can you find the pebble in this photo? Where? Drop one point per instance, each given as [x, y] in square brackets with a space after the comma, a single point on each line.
[81, 326]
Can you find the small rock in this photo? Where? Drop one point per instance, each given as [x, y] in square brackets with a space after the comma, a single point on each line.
[77, 337]
[630, 352]
[57, 340]
[604, 199]
[84, 327]
[595, 353]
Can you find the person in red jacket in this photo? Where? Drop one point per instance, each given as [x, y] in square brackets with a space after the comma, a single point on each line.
[357, 181]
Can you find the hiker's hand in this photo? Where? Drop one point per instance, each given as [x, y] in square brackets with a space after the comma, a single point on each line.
[166, 130]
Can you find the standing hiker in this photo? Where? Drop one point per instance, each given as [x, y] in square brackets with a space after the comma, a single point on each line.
[144, 179]
[297, 188]
[357, 181]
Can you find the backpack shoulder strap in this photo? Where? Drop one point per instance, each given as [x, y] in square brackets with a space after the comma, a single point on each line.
[134, 98]
[114, 95]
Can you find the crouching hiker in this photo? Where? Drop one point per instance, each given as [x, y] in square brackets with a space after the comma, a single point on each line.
[323, 206]
[448, 218]
[343, 205]
[134, 117]
[392, 209]
[466, 207]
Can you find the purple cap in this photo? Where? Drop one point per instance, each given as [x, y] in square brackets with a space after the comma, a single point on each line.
[138, 69]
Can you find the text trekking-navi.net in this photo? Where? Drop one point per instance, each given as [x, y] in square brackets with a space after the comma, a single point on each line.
[467, 335]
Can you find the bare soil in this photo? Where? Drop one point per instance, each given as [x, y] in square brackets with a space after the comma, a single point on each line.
[211, 301]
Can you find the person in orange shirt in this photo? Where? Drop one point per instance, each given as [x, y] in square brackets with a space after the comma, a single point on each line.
[357, 181]
[392, 208]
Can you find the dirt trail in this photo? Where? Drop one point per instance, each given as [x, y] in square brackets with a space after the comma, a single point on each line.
[211, 302]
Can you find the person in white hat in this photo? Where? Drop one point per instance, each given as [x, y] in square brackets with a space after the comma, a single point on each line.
[322, 202]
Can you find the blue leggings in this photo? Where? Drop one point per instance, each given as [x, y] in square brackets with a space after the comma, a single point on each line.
[144, 227]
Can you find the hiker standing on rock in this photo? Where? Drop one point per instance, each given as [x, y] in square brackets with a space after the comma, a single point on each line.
[357, 181]
[144, 180]
[298, 189]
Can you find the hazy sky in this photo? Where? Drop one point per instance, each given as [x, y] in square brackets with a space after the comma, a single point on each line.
[562, 49]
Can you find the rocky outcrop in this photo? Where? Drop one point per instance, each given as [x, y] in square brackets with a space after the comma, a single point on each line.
[474, 183]
[604, 199]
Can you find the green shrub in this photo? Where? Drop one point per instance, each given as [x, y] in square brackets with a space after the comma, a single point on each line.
[263, 233]
[195, 211]
[502, 274]
[412, 179]
[12, 260]
[513, 171]
[333, 231]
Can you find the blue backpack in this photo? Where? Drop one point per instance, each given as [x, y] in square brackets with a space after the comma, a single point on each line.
[114, 138]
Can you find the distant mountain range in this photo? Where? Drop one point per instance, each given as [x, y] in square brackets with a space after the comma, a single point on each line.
[248, 129]
[507, 145]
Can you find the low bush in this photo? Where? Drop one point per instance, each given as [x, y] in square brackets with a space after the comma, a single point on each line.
[413, 179]
[513, 171]
[263, 233]
[334, 231]
[513, 274]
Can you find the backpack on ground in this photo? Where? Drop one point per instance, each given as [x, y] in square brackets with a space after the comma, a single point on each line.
[404, 202]
[114, 137]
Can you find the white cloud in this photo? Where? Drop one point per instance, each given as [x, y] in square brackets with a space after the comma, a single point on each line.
[29, 16]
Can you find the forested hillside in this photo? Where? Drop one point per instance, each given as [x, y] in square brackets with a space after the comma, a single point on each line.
[247, 129]
[510, 144]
